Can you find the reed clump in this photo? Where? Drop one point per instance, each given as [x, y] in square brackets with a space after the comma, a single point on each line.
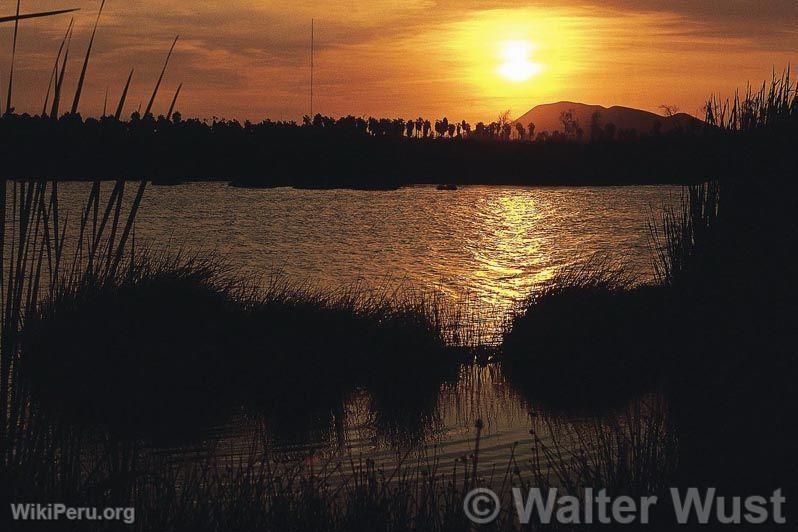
[726, 256]
[147, 344]
[588, 337]
[172, 338]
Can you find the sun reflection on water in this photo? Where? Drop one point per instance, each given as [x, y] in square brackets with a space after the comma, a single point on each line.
[510, 249]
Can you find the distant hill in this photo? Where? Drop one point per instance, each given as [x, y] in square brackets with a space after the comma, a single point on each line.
[546, 117]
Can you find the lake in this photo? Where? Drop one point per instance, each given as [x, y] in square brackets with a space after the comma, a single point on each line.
[490, 246]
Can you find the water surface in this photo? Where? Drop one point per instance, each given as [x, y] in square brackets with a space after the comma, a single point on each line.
[490, 245]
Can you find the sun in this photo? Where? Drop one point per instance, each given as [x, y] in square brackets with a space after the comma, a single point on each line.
[516, 64]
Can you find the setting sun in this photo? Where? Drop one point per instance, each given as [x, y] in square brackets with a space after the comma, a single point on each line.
[516, 63]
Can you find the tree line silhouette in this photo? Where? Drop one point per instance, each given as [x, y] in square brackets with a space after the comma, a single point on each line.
[321, 151]
[504, 128]
[355, 152]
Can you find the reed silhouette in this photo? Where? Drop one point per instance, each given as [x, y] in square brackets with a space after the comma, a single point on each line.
[591, 338]
[101, 342]
[728, 262]
[630, 453]
[714, 336]
[165, 338]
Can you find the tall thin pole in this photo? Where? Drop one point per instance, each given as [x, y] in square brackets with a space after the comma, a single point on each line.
[312, 44]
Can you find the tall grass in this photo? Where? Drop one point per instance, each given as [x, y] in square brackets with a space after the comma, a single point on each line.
[590, 337]
[726, 256]
[772, 105]
[632, 453]
[34, 267]
[682, 238]
[165, 337]
[290, 338]
[33, 231]
[759, 126]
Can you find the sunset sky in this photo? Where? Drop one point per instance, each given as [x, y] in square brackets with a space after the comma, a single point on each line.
[464, 59]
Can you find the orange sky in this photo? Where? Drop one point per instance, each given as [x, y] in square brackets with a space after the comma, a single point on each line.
[405, 58]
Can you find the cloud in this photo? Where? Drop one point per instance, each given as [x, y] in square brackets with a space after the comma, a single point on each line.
[250, 58]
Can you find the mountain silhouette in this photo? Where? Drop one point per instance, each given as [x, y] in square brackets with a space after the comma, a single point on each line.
[546, 117]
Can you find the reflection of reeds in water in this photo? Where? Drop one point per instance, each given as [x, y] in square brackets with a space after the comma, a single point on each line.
[630, 454]
[272, 348]
[633, 452]
[724, 258]
[168, 335]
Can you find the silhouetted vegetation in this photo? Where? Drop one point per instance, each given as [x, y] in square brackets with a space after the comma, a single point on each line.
[728, 261]
[717, 331]
[590, 333]
[324, 153]
[101, 343]
[165, 339]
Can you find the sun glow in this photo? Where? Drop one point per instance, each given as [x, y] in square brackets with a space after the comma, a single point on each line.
[516, 64]
[510, 58]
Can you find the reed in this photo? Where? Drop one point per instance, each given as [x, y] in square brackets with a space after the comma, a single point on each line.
[33, 232]
[24, 16]
[196, 333]
[82, 78]
[723, 254]
[771, 106]
[683, 237]
[634, 452]
[586, 338]
[9, 109]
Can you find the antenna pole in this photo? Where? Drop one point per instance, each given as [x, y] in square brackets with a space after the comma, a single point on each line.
[312, 44]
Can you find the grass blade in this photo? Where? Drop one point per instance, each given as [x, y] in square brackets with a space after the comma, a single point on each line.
[174, 101]
[54, 75]
[122, 99]
[60, 82]
[36, 15]
[160, 78]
